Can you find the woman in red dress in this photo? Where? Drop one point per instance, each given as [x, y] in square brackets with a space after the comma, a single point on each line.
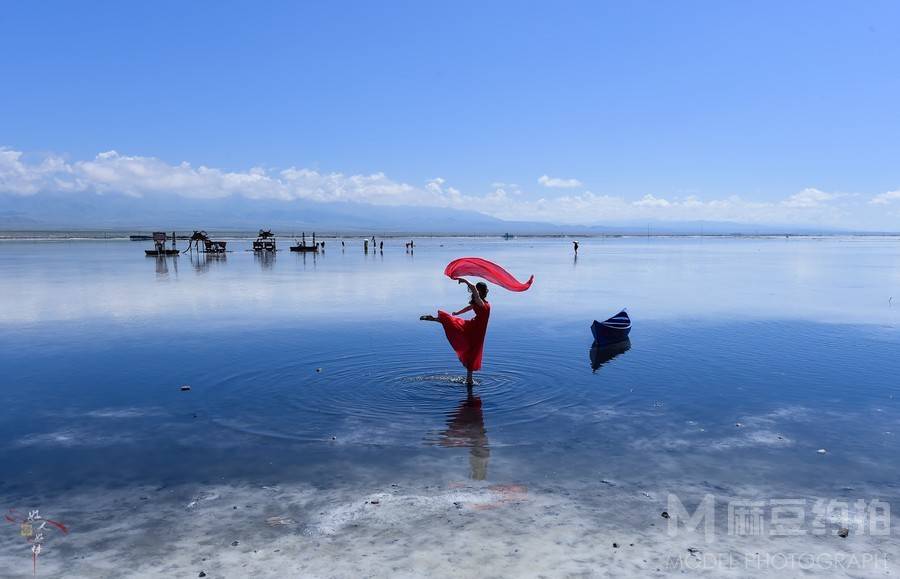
[466, 337]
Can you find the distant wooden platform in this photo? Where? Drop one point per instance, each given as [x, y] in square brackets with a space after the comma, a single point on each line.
[214, 246]
[264, 245]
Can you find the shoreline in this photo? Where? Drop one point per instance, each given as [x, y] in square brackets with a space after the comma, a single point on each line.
[184, 235]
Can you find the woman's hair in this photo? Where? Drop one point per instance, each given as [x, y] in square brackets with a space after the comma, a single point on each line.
[482, 291]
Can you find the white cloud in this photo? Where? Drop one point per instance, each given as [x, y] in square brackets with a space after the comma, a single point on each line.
[114, 173]
[557, 183]
[886, 198]
[589, 208]
[651, 201]
[111, 172]
[18, 177]
[809, 198]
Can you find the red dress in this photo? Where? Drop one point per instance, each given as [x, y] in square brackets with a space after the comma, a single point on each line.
[467, 336]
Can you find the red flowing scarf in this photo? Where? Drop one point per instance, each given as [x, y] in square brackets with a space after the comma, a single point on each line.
[485, 269]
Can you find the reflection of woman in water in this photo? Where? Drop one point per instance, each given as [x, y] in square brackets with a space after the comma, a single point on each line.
[465, 428]
[466, 336]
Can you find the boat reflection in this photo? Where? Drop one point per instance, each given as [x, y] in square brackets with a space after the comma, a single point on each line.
[600, 355]
[312, 259]
[465, 429]
[162, 265]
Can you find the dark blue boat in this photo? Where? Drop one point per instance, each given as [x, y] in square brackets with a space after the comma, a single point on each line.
[613, 330]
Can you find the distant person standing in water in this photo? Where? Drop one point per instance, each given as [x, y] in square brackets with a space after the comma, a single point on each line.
[575, 244]
[466, 336]
[366, 245]
[380, 246]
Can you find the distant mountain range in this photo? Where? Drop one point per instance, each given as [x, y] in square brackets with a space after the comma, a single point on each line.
[119, 212]
[61, 211]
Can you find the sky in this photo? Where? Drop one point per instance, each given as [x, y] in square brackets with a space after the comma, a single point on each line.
[564, 112]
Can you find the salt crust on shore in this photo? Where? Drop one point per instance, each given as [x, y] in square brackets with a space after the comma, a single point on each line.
[457, 529]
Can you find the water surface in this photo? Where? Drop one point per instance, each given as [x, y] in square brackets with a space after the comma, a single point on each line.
[747, 357]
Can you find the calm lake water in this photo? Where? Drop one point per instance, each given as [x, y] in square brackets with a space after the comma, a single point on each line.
[747, 356]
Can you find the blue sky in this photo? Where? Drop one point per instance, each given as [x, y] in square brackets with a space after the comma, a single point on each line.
[635, 101]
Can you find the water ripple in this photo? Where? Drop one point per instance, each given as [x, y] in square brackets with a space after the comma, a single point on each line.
[396, 399]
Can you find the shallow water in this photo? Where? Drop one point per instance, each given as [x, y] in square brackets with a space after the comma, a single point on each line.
[747, 356]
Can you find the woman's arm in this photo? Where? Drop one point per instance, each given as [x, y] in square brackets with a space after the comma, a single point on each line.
[476, 297]
[464, 310]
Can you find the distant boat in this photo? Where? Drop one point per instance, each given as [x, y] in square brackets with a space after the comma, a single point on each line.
[161, 252]
[159, 245]
[613, 330]
[303, 248]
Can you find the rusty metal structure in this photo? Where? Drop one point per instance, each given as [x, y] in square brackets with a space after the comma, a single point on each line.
[209, 246]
